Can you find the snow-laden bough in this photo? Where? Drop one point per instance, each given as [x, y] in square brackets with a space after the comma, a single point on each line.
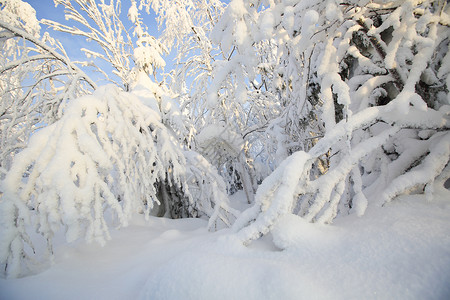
[107, 158]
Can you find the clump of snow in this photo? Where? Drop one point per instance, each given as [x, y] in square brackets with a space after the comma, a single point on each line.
[21, 15]
[289, 20]
[266, 25]
[332, 11]
[143, 88]
[220, 134]
[148, 54]
[133, 13]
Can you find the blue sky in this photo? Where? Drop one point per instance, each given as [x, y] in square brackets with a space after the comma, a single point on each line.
[45, 9]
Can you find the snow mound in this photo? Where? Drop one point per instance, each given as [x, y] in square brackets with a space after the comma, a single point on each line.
[397, 252]
[401, 251]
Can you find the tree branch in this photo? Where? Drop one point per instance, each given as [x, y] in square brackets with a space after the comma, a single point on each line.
[20, 33]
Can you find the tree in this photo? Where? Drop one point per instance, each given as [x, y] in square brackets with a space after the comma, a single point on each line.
[36, 79]
[379, 71]
[230, 108]
[109, 155]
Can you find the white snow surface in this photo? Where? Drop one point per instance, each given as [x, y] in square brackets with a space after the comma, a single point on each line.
[399, 251]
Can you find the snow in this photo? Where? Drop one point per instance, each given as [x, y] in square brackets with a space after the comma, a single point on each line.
[266, 25]
[142, 88]
[216, 133]
[332, 11]
[370, 155]
[399, 251]
[21, 14]
[133, 13]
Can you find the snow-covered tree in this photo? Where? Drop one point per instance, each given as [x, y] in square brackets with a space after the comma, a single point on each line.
[128, 54]
[227, 103]
[36, 79]
[107, 158]
[375, 76]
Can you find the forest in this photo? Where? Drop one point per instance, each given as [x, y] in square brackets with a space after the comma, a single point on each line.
[310, 113]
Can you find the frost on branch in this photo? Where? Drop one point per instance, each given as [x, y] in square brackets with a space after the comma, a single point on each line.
[100, 22]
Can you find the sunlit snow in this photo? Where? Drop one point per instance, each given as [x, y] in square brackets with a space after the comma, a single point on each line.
[401, 251]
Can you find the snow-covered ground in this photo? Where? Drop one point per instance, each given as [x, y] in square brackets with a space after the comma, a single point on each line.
[400, 251]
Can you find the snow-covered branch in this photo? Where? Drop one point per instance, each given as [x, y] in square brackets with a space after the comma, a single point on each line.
[101, 24]
[48, 50]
